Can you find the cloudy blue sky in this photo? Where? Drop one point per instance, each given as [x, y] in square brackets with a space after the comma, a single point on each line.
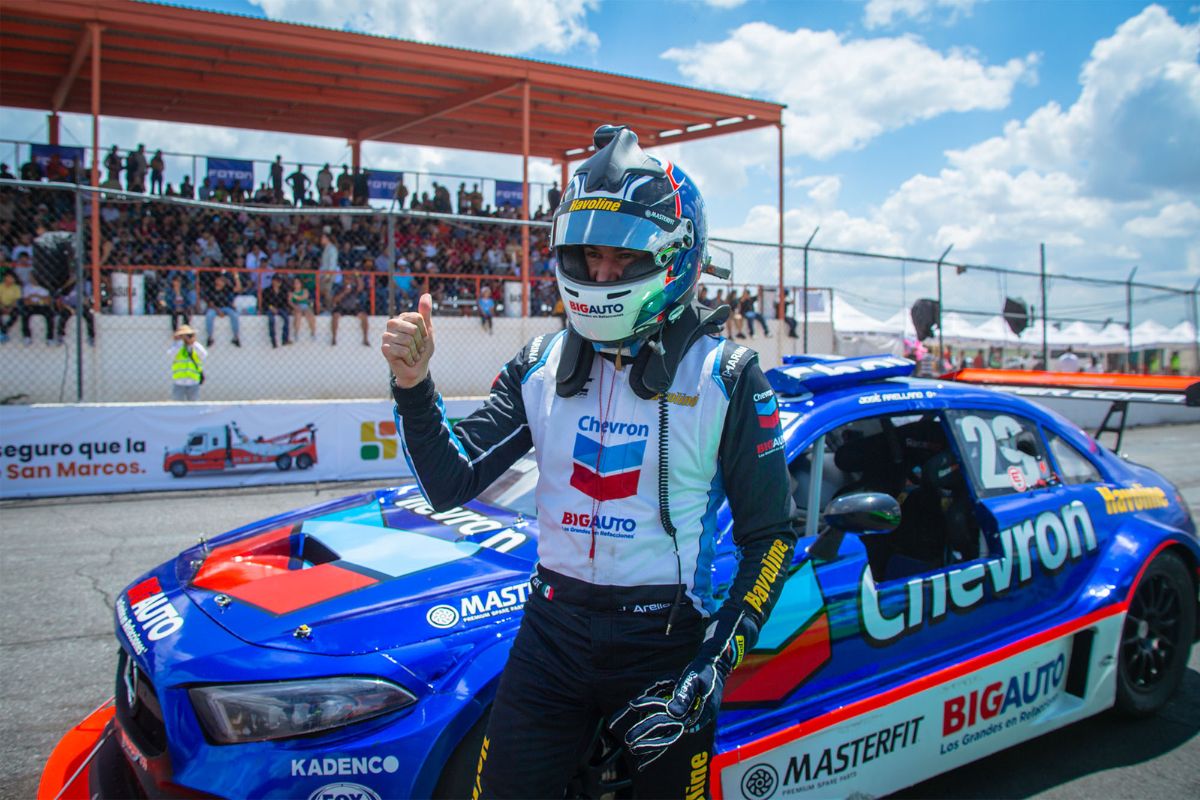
[912, 125]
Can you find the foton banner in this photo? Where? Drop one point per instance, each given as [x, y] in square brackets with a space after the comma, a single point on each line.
[230, 170]
[60, 450]
[69, 156]
[381, 184]
[508, 193]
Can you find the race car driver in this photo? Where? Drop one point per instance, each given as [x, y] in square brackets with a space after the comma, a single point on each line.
[642, 420]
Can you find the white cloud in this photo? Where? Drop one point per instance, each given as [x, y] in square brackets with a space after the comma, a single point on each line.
[841, 93]
[499, 26]
[823, 190]
[1132, 130]
[882, 13]
[1172, 221]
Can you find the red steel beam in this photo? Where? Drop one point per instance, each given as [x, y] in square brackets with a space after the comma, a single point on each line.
[447, 106]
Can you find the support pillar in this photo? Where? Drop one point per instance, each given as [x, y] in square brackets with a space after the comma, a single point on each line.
[94, 30]
[780, 299]
[355, 155]
[52, 127]
[525, 198]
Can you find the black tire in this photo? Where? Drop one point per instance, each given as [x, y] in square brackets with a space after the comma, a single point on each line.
[1157, 637]
[284, 462]
[303, 461]
[458, 776]
[178, 469]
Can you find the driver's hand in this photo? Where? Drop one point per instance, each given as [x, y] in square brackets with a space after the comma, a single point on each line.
[408, 344]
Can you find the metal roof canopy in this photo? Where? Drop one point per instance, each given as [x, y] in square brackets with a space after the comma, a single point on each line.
[184, 65]
[150, 61]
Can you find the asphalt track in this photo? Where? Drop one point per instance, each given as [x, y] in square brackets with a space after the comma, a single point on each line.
[64, 561]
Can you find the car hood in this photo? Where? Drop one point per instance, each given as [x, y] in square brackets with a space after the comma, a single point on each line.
[366, 573]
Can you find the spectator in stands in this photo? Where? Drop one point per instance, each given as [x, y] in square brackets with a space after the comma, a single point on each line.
[10, 303]
[112, 163]
[135, 169]
[65, 301]
[277, 178]
[299, 183]
[401, 192]
[344, 182]
[157, 167]
[187, 365]
[751, 314]
[359, 184]
[36, 302]
[178, 301]
[552, 197]
[735, 326]
[31, 170]
[259, 264]
[206, 190]
[220, 304]
[330, 271]
[351, 300]
[325, 182]
[5, 174]
[301, 302]
[487, 308]
[463, 198]
[787, 317]
[56, 170]
[275, 303]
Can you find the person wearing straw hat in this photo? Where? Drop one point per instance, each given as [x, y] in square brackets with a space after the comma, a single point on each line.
[187, 364]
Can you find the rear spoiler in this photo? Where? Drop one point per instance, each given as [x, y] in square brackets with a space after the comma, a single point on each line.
[1120, 389]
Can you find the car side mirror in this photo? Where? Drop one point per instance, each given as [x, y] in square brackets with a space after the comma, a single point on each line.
[863, 512]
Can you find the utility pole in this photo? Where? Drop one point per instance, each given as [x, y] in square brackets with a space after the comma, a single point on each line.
[941, 258]
[805, 298]
[1129, 319]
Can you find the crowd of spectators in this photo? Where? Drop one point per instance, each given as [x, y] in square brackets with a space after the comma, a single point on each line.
[328, 264]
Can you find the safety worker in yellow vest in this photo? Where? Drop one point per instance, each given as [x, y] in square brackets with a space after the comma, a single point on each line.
[187, 364]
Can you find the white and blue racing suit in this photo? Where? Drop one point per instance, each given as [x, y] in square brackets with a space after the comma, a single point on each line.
[609, 576]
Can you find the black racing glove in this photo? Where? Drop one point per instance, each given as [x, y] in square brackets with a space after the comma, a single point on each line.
[657, 718]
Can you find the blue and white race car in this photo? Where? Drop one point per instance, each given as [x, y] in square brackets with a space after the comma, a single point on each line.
[974, 571]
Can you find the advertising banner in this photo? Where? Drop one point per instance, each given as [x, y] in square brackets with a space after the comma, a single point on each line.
[228, 170]
[57, 450]
[508, 193]
[70, 156]
[381, 184]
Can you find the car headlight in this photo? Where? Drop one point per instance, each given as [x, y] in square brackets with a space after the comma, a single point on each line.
[254, 712]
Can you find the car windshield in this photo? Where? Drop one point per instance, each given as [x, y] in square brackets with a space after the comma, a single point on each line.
[514, 490]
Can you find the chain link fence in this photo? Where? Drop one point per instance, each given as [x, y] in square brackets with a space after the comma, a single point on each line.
[290, 304]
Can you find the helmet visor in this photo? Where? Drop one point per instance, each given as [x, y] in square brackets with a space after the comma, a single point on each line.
[616, 223]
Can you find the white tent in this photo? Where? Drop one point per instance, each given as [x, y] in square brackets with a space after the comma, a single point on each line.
[848, 319]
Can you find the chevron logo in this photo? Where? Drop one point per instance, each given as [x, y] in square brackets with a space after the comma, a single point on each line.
[609, 472]
[768, 412]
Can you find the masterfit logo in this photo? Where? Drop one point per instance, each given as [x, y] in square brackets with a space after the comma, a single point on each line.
[817, 769]
[378, 440]
[760, 782]
[483, 605]
[609, 471]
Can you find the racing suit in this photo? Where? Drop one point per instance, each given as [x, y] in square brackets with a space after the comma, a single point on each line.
[617, 602]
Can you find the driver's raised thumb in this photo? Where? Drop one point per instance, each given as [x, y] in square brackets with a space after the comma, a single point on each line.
[425, 308]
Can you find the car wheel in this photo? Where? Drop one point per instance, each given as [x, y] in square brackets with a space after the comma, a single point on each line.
[303, 461]
[284, 462]
[178, 469]
[458, 776]
[1157, 637]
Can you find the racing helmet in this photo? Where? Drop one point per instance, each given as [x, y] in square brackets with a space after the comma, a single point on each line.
[622, 197]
